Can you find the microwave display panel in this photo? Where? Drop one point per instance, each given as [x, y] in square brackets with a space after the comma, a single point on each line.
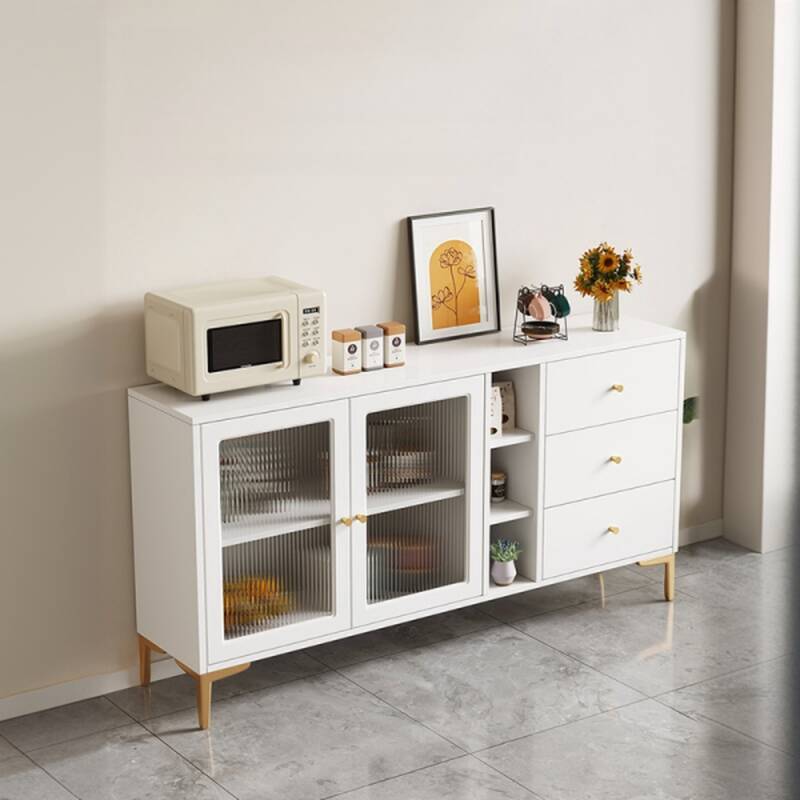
[247, 345]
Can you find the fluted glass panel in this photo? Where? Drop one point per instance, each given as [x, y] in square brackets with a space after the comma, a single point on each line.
[415, 549]
[278, 581]
[416, 445]
[274, 482]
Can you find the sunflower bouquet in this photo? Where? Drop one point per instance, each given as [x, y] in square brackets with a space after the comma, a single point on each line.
[604, 272]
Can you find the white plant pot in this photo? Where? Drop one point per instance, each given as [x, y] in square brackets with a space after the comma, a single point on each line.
[503, 572]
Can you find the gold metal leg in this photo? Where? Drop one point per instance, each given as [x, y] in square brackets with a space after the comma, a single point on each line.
[146, 647]
[669, 573]
[205, 683]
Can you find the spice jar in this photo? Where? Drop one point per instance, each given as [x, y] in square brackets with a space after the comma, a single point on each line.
[498, 493]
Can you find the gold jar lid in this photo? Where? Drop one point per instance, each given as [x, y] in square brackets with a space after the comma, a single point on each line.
[498, 476]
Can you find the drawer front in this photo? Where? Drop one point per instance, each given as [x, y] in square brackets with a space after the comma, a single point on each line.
[581, 393]
[577, 536]
[610, 458]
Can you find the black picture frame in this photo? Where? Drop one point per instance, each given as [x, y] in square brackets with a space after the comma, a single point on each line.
[420, 329]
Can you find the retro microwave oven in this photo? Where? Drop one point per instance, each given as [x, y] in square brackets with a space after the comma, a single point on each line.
[231, 335]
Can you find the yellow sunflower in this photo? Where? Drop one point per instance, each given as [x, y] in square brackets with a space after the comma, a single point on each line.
[602, 291]
[609, 260]
[622, 285]
[637, 274]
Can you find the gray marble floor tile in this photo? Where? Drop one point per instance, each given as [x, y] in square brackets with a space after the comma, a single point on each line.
[126, 764]
[464, 778]
[63, 723]
[7, 750]
[696, 557]
[754, 701]
[21, 779]
[303, 740]
[655, 646]
[644, 751]
[563, 595]
[758, 586]
[397, 638]
[489, 687]
[175, 694]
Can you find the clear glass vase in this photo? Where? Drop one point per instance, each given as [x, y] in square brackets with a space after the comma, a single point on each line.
[606, 314]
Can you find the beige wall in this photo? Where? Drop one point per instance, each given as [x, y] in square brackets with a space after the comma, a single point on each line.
[152, 144]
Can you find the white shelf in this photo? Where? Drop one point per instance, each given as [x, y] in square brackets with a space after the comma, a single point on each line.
[521, 584]
[509, 437]
[506, 511]
[413, 496]
[313, 514]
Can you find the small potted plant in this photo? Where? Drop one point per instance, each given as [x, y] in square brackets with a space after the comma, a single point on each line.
[504, 553]
[603, 275]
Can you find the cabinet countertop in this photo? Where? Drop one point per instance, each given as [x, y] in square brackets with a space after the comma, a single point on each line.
[424, 364]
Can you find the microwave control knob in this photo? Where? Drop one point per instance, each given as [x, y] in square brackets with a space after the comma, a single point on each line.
[311, 358]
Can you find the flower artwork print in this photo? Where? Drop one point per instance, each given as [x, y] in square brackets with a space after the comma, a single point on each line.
[454, 268]
[455, 295]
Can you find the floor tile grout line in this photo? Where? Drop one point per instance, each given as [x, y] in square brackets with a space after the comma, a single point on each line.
[404, 713]
[704, 718]
[721, 675]
[566, 724]
[82, 736]
[392, 777]
[51, 776]
[534, 795]
[572, 657]
[191, 764]
[495, 623]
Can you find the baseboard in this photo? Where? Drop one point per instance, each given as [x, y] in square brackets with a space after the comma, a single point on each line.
[700, 533]
[81, 689]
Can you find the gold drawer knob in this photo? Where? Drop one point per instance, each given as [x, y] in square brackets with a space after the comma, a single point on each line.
[613, 529]
[361, 517]
[346, 521]
[616, 459]
[617, 387]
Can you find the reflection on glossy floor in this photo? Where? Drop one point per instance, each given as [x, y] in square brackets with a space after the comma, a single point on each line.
[555, 694]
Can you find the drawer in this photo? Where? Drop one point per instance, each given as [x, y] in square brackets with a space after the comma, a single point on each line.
[577, 536]
[581, 393]
[579, 464]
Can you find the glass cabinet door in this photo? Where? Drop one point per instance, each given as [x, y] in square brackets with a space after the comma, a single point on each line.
[277, 560]
[416, 498]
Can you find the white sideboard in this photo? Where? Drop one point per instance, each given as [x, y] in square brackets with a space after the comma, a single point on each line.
[272, 519]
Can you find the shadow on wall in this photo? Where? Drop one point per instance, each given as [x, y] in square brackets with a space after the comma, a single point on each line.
[67, 565]
[402, 303]
[708, 312]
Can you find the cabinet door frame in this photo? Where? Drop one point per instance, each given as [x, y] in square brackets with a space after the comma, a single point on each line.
[473, 388]
[336, 414]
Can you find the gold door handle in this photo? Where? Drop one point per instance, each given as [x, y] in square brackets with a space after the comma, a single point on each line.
[616, 459]
[346, 521]
[613, 529]
[361, 517]
[617, 387]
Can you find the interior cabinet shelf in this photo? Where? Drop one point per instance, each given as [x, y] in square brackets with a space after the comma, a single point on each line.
[413, 496]
[506, 511]
[310, 514]
[509, 437]
[521, 584]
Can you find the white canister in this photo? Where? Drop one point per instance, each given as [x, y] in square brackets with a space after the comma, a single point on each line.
[346, 355]
[394, 343]
[495, 413]
[371, 347]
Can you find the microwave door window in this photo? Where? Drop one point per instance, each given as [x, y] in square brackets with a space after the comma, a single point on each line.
[247, 345]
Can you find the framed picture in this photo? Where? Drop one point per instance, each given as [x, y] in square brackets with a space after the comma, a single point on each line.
[454, 265]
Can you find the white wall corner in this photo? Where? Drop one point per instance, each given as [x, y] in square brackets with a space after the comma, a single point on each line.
[700, 533]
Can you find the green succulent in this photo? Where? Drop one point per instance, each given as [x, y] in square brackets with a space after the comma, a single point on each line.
[504, 550]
